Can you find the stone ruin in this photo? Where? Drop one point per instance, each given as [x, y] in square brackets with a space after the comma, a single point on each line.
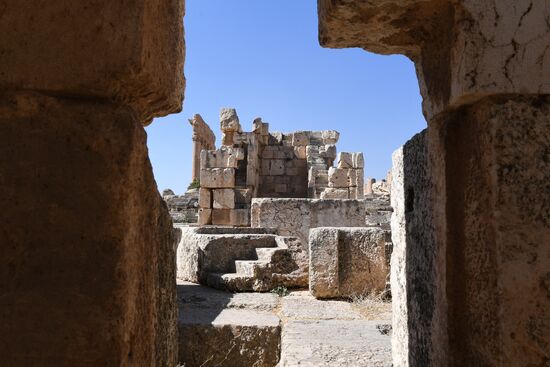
[471, 222]
[260, 194]
[261, 164]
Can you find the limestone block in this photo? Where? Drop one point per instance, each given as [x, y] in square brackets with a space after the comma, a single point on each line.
[316, 138]
[101, 237]
[340, 177]
[330, 137]
[229, 121]
[205, 217]
[205, 198]
[313, 157]
[141, 67]
[300, 139]
[323, 263]
[300, 152]
[358, 160]
[335, 193]
[345, 262]
[277, 167]
[345, 160]
[225, 157]
[230, 217]
[215, 178]
[205, 331]
[224, 199]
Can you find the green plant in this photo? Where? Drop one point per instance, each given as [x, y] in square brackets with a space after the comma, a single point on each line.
[280, 291]
[195, 184]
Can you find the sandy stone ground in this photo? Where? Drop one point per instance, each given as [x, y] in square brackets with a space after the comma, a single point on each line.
[300, 330]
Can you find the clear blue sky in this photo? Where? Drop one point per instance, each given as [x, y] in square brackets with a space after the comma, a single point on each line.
[263, 58]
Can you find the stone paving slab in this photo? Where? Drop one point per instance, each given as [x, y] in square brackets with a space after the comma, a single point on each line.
[218, 328]
[334, 343]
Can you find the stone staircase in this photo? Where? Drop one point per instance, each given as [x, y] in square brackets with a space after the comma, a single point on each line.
[268, 268]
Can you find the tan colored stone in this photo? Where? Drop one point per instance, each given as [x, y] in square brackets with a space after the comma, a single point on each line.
[330, 137]
[205, 216]
[216, 178]
[230, 217]
[224, 199]
[340, 177]
[346, 262]
[205, 198]
[300, 152]
[358, 160]
[335, 193]
[225, 157]
[300, 138]
[345, 160]
[140, 67]
[78, 171]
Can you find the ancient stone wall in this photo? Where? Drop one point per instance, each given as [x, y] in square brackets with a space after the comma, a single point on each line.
[87, 263]
[484, 76]
[203, 138]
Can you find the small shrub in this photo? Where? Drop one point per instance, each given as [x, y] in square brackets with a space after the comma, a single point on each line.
[195, 184]
[280, 291]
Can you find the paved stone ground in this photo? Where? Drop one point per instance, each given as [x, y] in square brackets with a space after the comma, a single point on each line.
[310, 332]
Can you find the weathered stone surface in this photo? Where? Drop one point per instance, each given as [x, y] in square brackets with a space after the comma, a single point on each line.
[330, 343]
[218, 178]
[205, 217]
[142, 67]
[340, 177]
[500, 204]
[214, 250]
[358, 160]
[225, 157]
[330, 137]
[418, 309]
[332, 193]
[300, 138]
[295, 217]
[77, 188]
[229, 121]
[224, 199]
[345, 160]
[346, 262]
[220, 331]
[465, 50]
[205, 198]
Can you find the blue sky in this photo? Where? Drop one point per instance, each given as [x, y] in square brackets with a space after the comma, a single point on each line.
[263, 58]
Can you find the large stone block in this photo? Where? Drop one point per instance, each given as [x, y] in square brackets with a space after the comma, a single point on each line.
[341, 177]
[345, 160]
[466, 50]
[205, 198]
[80, 271]
[205, 216]
[294, 217]
[224, 199]
[330, 137]
[217, 178]
[300, 138]
[345, 262]
[230, 217]
[331, 193]
[225, 157]
[105, 49]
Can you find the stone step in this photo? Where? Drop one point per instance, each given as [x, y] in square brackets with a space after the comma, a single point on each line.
[248, 267]
[231, 282]
[265, 253]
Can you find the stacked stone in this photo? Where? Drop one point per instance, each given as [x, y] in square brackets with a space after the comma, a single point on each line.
[283, 171]
[220, 201]
[346, 181]
[320, 151]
